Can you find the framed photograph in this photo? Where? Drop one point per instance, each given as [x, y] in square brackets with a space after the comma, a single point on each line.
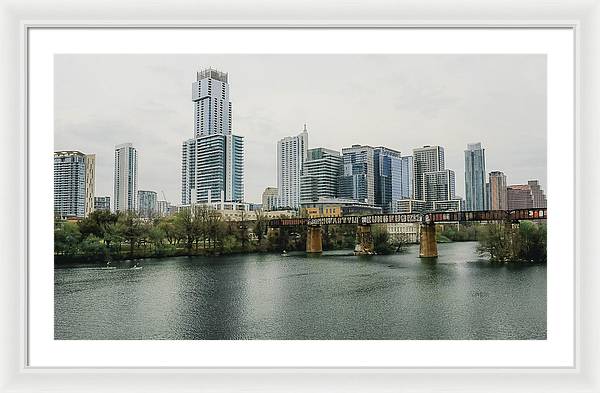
[269, 205]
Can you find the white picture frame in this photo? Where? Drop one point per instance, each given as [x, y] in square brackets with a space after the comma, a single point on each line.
[17, 17]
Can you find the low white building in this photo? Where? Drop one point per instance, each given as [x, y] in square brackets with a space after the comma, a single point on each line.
[402, 232]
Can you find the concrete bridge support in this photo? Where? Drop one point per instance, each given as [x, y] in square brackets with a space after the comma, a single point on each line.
[428, 246]
[314, 239]
[364, 240]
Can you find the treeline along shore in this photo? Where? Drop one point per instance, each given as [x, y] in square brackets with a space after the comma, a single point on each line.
[105, 236]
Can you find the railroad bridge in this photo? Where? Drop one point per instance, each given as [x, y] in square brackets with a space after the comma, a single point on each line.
[427, 221]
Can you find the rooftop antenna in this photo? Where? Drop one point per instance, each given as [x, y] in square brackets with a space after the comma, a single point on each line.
[304, 127]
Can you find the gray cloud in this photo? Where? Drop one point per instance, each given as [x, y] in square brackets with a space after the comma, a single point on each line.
[399, 101]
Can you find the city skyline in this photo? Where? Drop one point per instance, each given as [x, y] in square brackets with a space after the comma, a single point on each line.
[519, 151]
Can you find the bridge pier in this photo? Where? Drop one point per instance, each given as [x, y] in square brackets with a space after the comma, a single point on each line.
[314, 239]
[364, 240]
[428, 245]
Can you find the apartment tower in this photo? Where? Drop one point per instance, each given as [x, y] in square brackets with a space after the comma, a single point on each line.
[212, 162]
[291, 154]
[125, 178]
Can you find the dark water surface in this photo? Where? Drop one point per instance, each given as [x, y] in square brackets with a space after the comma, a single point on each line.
[335, 296]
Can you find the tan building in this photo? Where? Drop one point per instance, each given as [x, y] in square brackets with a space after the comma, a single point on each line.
[269, 199]
[322, 211]
[498, 192]
[337, 207]
[526, 196]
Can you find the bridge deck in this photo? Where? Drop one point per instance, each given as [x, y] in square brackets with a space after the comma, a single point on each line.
[464, 216]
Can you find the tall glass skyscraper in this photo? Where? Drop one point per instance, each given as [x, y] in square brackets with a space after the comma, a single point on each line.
[439, 186]
[388, 177]
[212, 163]
[358, 174]
[320, 175]
[407, 190]
[475, 189]
[125, 180]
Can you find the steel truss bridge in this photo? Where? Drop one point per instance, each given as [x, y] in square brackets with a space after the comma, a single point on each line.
[425, 218]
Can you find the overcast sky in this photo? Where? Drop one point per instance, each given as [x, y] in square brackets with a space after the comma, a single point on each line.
[397, 101]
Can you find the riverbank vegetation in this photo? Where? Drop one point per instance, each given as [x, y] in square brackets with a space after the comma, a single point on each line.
[468, 232]
[202, 231]
[198, 231]
[524, 242]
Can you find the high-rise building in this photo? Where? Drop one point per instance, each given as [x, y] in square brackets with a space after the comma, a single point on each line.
[291, 154]
[74, 183]
[102, 203]
[163, 208]
[388, 177]
[90, 183]
[475, 177]
[426, 159]
[407, 167]
[409, 206]
[439, 186]
[125, 177]
[212, 108]
[358, 175]
[526, 196]
[320, 175]
[212, 163]
[519, 196]
[453, 205]
[539, 198]
[269, 199]
[147, 204]
[498, 196]
[188, 170]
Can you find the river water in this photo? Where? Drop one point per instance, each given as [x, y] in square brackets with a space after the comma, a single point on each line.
[333, 297]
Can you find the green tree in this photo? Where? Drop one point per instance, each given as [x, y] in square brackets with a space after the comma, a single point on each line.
[96, 223]
[156, 236]
[506, 242]
[169, 228]
[531, 242]
[242, 232]
[496, 240]
[66, 238]
[185, 224]
[260, 230]
[114, 235]
[92, 246]
[133, 229]
[381, 241]
[215, 229]
[229, 244]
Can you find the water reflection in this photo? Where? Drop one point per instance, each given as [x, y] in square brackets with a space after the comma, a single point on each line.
[335, 296]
